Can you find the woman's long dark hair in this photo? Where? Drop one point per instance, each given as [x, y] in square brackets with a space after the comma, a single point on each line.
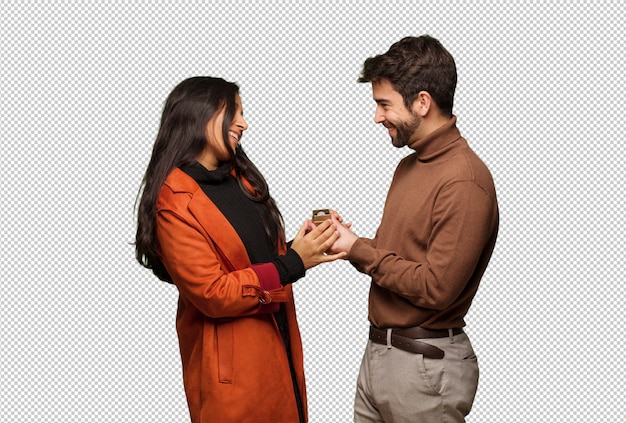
[181, 138]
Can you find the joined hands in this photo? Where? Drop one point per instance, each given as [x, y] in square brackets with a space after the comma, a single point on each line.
[329, 241]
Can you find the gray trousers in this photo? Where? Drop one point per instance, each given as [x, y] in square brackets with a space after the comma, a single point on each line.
[395, 386]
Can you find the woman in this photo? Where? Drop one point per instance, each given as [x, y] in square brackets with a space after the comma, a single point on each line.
[207, 223]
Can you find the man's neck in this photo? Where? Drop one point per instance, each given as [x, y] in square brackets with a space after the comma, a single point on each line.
[429, 125]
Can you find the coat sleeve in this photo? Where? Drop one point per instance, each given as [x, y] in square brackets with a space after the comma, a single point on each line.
[462, 224]
[196, 268]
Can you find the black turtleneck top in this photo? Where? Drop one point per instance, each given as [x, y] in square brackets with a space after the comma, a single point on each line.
[247, 217]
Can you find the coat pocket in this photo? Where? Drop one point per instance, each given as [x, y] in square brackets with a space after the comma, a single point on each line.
[224, 332]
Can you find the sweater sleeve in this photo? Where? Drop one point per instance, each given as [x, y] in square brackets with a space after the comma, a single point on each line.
[290, 267]
[463, 219]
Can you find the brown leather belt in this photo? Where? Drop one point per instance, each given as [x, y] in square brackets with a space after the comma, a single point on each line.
[406, 339]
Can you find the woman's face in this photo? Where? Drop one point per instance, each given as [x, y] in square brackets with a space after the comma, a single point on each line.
[216, 150]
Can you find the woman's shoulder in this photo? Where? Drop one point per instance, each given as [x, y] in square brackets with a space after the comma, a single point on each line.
[177, 190]
[179, 181]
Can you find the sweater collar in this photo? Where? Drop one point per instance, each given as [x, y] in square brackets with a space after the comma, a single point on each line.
[437, 142]
[204, 176]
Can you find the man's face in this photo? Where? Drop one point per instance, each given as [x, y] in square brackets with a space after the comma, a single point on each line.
[393, 114]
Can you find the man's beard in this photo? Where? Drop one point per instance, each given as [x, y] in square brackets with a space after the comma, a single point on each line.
[404, 131]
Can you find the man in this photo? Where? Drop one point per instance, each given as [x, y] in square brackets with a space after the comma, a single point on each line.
[431, 249]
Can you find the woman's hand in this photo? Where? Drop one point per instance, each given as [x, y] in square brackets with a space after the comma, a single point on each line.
[311, 243]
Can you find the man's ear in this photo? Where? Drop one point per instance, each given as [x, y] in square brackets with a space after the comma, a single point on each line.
[422, 103]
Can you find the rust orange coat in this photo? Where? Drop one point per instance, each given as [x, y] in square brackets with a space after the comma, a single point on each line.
[235, 368]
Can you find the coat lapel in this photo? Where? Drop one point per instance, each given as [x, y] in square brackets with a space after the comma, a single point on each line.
[217, 227]
[219, 230]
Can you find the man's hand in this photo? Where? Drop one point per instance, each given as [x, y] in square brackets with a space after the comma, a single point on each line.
[346, 238]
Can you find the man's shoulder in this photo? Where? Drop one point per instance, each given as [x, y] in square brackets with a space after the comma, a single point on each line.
[463, 165]
[476, 167]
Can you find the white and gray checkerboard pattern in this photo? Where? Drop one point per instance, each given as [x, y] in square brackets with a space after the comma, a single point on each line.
[88, 336]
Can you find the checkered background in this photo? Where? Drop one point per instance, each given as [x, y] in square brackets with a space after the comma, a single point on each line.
[87, 335]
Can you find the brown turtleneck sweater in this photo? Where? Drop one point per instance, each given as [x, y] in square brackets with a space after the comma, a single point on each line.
[436, 236]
